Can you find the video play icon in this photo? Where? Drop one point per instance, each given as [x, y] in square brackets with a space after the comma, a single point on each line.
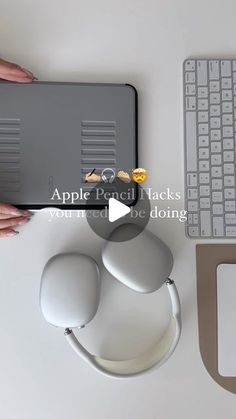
[117, 210]
[112, 204]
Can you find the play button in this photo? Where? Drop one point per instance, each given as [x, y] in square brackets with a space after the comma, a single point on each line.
[112, 204]
[117, 210]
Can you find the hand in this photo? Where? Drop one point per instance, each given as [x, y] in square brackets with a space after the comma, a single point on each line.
[13, 72]
[11, 217]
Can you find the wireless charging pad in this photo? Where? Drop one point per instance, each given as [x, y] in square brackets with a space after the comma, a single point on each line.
[53, 134]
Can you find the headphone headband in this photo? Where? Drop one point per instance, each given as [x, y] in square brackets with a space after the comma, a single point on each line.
[155, 356]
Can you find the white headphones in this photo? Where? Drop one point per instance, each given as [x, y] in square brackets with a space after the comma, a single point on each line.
[108, 175]
[70, 289]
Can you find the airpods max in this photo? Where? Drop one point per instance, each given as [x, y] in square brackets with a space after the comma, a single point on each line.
[70, 294]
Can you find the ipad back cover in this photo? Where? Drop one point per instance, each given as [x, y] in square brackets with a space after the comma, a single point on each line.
[52, 134]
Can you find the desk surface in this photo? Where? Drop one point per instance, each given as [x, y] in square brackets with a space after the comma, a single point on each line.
[143, 43]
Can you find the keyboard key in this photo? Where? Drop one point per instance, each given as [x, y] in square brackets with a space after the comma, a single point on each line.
[216, 159]
[191, 179]
[228, 143]
[203, 129]
[227, 107]
[204, 177]
[203, 141]
[191, 141]
[217, 209]
[202, 116]
[227, 132]
[215, 135]
[228, 168]
[204, 166]
[215, 110]
[229, 193]
[217, 196]
[214, 98]
[202, 104]
[214, 86]
[195, 218]
[215, 147]
[216, 184]
[193, 231]
[192, 206]
[202, 92]
[229, 181]
[230, 231]
[202, 72]
[214, 70]
[203, 153]
[189, 65]
[229, 206]
[192, 194]
[190, 77]
[234, 77]
[190, 219]
[204, 190]
[225, 67]
[216, 171]
[234, 65]
[218, 226]
[215, 122]
[226, 83]
[190, 103]
[226, 94]
[190, 89]
[230, 218]
[227, 119]
[205, 203]
[205, 220]
[228, 156]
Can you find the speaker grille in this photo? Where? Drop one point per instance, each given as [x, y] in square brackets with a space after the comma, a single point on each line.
[9, 155]
[98, 149]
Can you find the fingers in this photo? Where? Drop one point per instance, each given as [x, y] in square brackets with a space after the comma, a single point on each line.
[12, 222]
[13, 72]
[16, 79]
[8, 232]
[11, 216]
[9, 210]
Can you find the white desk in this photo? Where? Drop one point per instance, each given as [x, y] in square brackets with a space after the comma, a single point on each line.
[142, 42]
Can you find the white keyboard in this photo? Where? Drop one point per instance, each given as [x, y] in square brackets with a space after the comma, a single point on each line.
[210, 129]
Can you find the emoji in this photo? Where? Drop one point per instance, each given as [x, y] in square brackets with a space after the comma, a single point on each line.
[123, 176]
[139, 175]
[108, 175]
[91, 177]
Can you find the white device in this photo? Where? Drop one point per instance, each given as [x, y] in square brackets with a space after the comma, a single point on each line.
[226, 319]
[70, 286]
[209, 125]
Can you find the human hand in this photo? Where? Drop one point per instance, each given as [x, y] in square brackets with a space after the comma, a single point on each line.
[11, 217]
[13, 72]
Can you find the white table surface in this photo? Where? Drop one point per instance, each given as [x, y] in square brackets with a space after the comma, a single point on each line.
[144, 43]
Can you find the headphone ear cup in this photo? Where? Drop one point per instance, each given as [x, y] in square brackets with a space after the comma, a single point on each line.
[142, 263]
[70, 290]
[111, 179]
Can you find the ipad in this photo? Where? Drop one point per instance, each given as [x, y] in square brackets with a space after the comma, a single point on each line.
[52, 135]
